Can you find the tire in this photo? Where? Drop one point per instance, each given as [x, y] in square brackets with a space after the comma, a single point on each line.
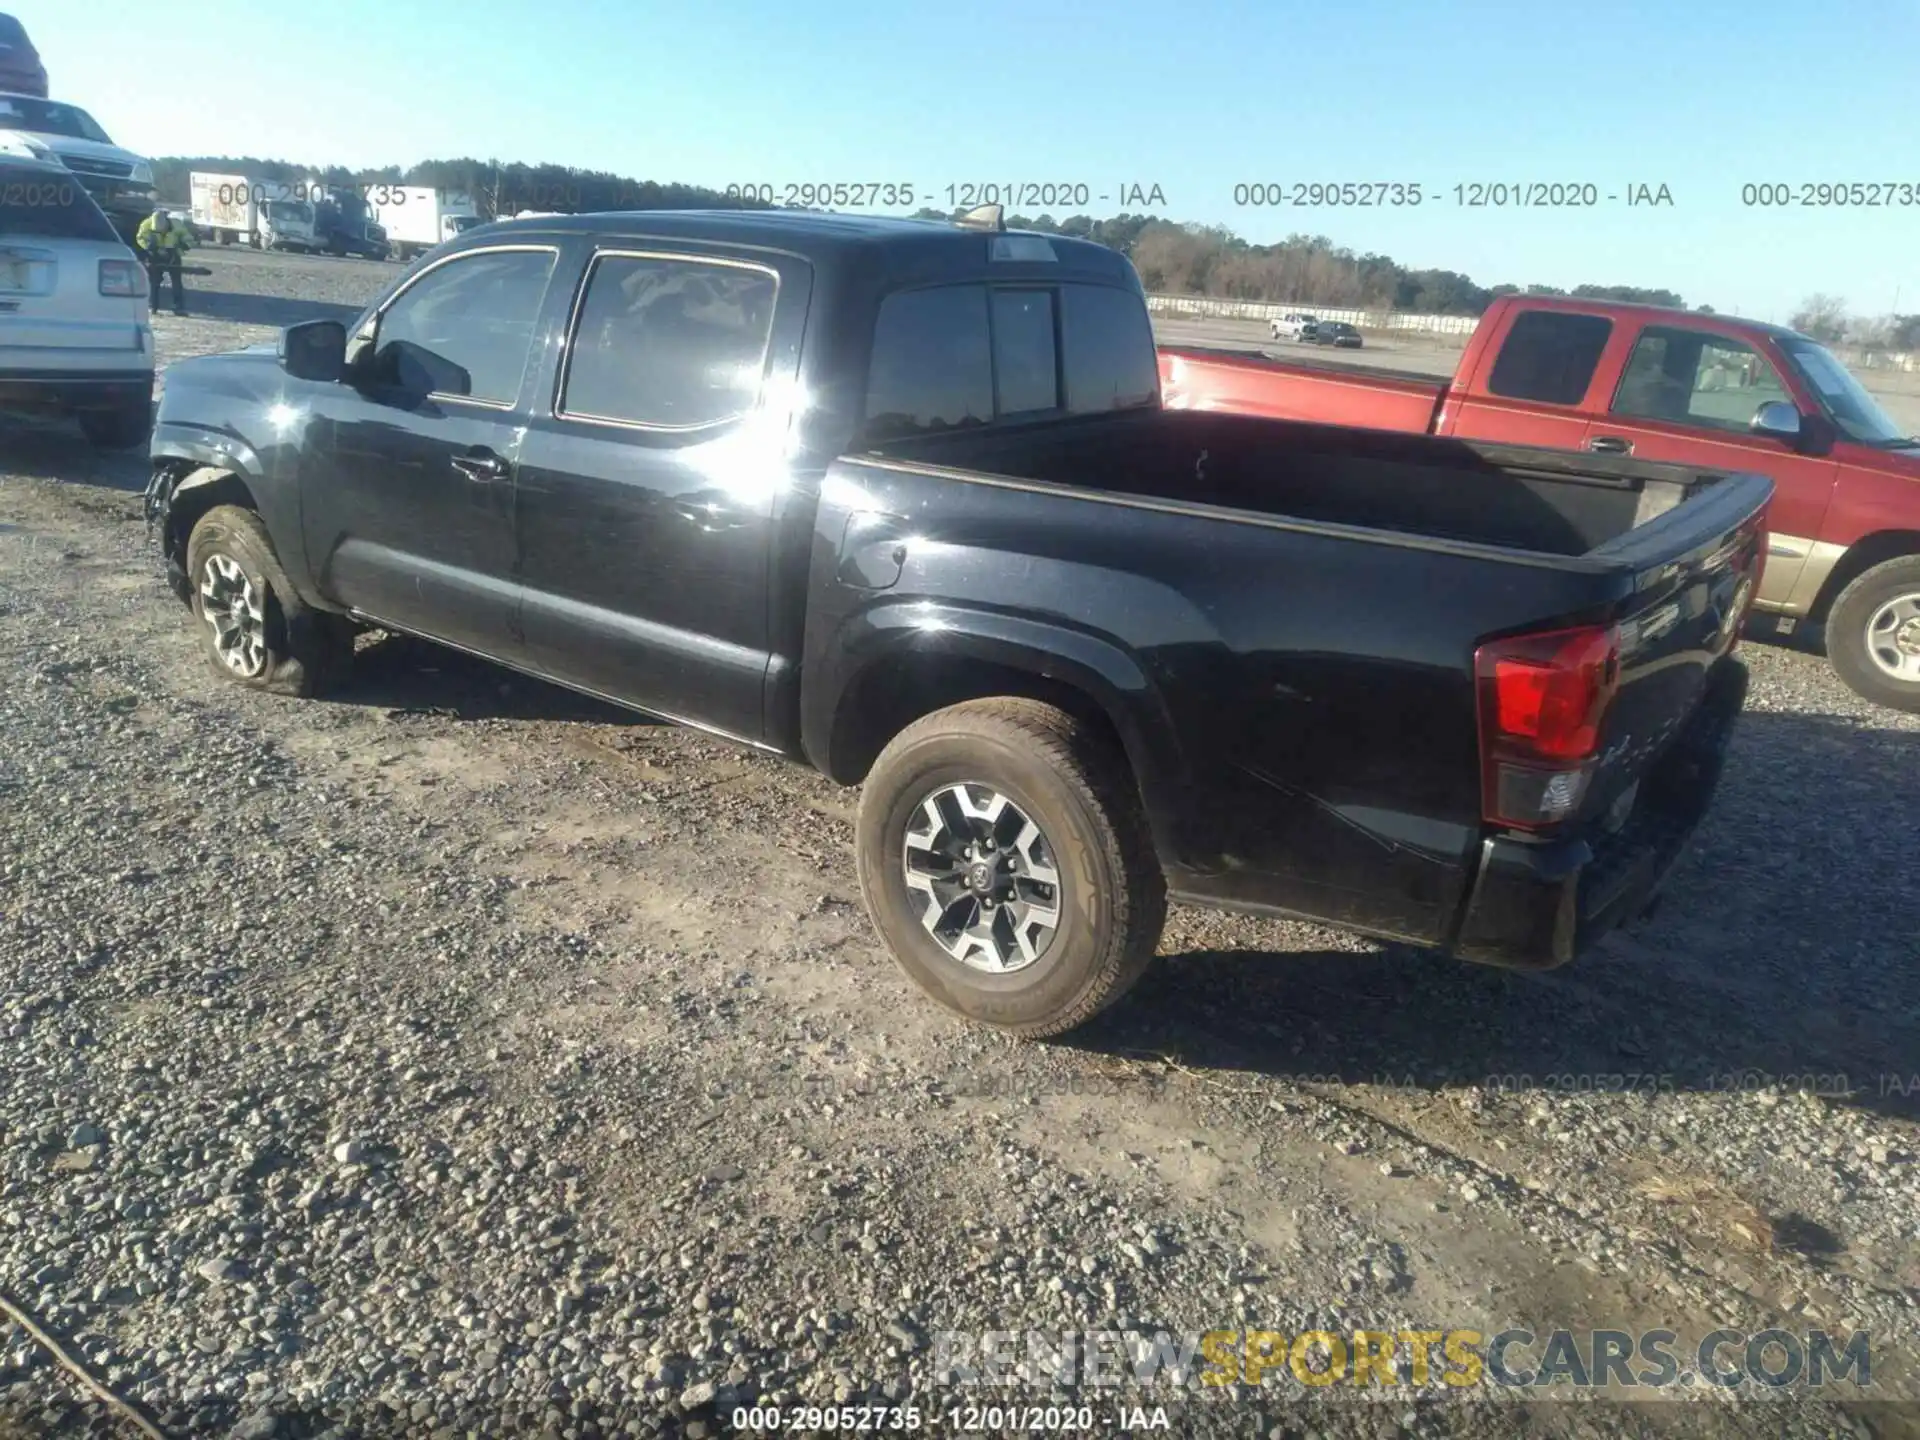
[122, 428]
[1110, 899]
[1873, 634]
[295, 650]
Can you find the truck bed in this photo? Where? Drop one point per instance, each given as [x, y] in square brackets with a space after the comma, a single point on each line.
[1549, 502]
[1252, 382]
[1284, 620]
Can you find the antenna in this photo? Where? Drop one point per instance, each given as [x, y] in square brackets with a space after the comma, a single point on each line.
[983, 217]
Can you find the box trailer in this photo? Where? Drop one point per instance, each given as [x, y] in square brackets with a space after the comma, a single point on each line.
[225, 208]
[417, 218]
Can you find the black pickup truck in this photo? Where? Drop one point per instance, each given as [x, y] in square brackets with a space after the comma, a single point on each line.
[899, 499]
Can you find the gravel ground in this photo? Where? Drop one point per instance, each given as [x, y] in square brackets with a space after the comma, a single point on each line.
[456, 1055]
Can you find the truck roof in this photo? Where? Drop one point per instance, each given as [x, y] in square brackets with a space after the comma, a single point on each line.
[901, 246]
[1649, 313]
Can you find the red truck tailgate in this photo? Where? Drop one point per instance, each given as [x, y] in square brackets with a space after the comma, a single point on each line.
[1250, 383]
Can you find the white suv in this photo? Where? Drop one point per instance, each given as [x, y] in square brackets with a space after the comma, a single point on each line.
[75, 336]
[1293, 326]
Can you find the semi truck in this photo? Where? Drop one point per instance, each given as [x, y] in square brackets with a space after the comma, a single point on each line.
[418, 217]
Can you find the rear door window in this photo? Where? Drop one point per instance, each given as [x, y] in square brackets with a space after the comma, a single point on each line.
[1550, 356]
[45, 205]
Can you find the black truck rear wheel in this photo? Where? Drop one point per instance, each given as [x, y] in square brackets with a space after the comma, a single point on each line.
[1005, 859]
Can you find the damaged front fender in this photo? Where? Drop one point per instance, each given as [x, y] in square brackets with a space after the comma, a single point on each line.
[175, 482]
[186, 459]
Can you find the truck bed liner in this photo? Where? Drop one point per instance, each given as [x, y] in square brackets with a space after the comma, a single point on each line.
[1514, 497]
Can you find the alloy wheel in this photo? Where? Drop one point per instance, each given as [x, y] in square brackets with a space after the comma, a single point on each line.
[985, 877]
[231, 605]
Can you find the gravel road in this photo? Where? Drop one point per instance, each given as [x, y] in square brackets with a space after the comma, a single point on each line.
[459, 1056]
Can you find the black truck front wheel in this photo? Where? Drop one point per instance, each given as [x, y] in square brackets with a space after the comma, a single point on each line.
[1873, 634]
[254, 630]
[1005, 859]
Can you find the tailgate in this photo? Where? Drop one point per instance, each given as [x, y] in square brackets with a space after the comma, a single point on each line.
[1697, 568]
[1542, 898]
[50, 298]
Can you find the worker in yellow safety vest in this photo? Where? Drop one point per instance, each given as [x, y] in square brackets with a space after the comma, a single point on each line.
[161, 244]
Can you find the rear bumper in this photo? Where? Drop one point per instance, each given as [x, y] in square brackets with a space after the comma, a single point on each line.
[1538, 904]
[75, 389]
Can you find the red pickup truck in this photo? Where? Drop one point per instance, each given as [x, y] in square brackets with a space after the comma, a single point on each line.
[1658, 384]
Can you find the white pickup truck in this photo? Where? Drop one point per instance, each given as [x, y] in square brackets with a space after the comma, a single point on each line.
[1294, 325]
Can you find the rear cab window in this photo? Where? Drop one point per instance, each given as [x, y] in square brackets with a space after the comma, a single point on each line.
[952, 356]
[44, 204]
[1549, 356]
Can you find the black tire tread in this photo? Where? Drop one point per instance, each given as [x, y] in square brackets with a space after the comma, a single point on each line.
[1102, 781]
[309, 649]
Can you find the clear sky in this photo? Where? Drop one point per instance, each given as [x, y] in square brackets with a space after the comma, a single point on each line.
[1195, 96]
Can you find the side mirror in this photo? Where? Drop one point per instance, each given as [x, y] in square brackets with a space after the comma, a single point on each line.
[314, 350]
[1778, 419]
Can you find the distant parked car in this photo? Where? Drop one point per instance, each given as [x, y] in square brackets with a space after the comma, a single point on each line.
[120, 181]
[1337, 333]
[1295, 327]
[74, 334]
[20, 69]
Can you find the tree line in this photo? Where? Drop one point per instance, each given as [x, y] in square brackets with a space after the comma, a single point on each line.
[1172, 258]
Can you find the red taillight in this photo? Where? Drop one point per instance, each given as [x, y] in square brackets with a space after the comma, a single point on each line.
[120, 277]
[1542, 701]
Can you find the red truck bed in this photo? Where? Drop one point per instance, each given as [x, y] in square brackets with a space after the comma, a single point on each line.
[1250, 382]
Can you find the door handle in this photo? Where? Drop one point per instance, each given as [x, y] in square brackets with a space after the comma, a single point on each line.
[1610, 445]
[707, 515]
[481, 465]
